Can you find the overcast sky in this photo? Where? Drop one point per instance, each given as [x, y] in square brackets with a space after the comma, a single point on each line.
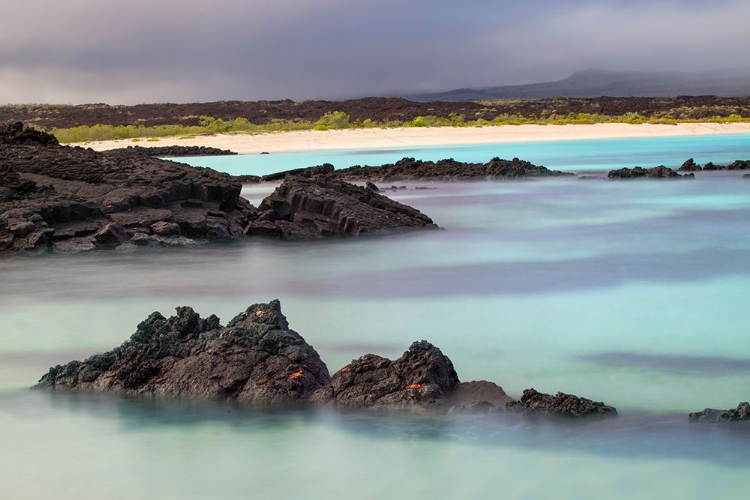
[79, 51]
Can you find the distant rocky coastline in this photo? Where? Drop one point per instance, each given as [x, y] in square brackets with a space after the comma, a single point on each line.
[257, 358]
[176, 151]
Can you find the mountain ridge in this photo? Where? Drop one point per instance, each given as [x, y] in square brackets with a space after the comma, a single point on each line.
[596, 82]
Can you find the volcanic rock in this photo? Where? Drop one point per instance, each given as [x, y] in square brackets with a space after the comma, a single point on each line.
[535, 402]
[312, 207]
[477, 397]
[711, 416]
[409, 169]
[255, 358]
[421, 377]
[690, 166]
[176, 151]
[660, 172]
[66, 199]
[16, 133]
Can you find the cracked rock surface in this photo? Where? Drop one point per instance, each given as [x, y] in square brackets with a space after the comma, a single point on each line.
[254, 358]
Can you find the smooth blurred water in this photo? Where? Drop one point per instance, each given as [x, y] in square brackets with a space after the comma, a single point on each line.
[634, 293]
[571, 156]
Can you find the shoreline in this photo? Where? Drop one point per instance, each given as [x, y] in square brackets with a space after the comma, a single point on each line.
[375, 138]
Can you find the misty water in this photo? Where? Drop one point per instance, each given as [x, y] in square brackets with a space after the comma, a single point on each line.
[633, 293]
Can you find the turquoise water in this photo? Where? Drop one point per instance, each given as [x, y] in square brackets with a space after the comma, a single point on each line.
[634, 293]
[573, 156]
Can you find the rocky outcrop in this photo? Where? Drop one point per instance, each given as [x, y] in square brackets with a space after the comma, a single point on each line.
[660, 172]
[254, 358]
[176, 151]
[409, 169]
[711, 416]
[312, 207]
[689, 166]
[535, 402]
[67, 199]
[421, 377]
[12, 134]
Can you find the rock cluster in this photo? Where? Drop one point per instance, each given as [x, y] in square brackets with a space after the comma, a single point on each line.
[73, 199]
[254, 358]
[690, 166]
[660, 172]
[68, 199]
[535, 402]
[409, 169]
[319, 205]
[175, 151]
[711, 416]
[421, 376]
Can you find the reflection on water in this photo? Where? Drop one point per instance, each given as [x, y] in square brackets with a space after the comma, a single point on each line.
[630, 293]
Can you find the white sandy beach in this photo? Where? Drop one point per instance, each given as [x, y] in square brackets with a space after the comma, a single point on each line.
[313, 140]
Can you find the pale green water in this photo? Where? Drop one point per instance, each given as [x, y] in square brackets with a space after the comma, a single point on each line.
[634, 293]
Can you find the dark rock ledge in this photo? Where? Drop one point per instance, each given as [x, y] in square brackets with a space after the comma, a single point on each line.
[176, 151]
[711, 416]
[69, 199]
[257, 358]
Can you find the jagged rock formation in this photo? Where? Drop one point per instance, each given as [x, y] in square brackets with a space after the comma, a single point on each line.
[711, 416]
[535, 402]
[67, 199]
[255, 358]
[73, 199]
[175, 151]
[690, 166]
[660, 172]
[312, 207]
[409, 169]
[13, 134]
[421, 377]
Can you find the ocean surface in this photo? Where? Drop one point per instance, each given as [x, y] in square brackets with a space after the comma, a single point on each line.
[632, 293]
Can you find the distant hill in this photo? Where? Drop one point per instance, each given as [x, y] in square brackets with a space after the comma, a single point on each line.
[597, 82]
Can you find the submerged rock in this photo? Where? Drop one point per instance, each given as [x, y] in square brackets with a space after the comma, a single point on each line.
[255, 358]
[316, 206]
[690, 166]
[421, 377]
[660, 172]
[711, 416]
[535, 402]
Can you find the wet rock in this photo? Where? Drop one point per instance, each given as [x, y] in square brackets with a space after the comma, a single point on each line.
[409, 169]
[477, 397]
[535, 402]
[660, 172]
[371, 186]
[690, 166]
[306, 208]
[163, 228]
[254, 358]
[711, 416]
[78, 192]
[421, 377]
[176, 151]
[111, 235]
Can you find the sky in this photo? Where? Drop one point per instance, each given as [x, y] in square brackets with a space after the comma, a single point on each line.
[144, 51]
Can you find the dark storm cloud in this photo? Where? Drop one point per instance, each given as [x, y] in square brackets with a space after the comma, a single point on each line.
[169, 50]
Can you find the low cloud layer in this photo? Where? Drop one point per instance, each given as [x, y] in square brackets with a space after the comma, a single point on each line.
[83, 51]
